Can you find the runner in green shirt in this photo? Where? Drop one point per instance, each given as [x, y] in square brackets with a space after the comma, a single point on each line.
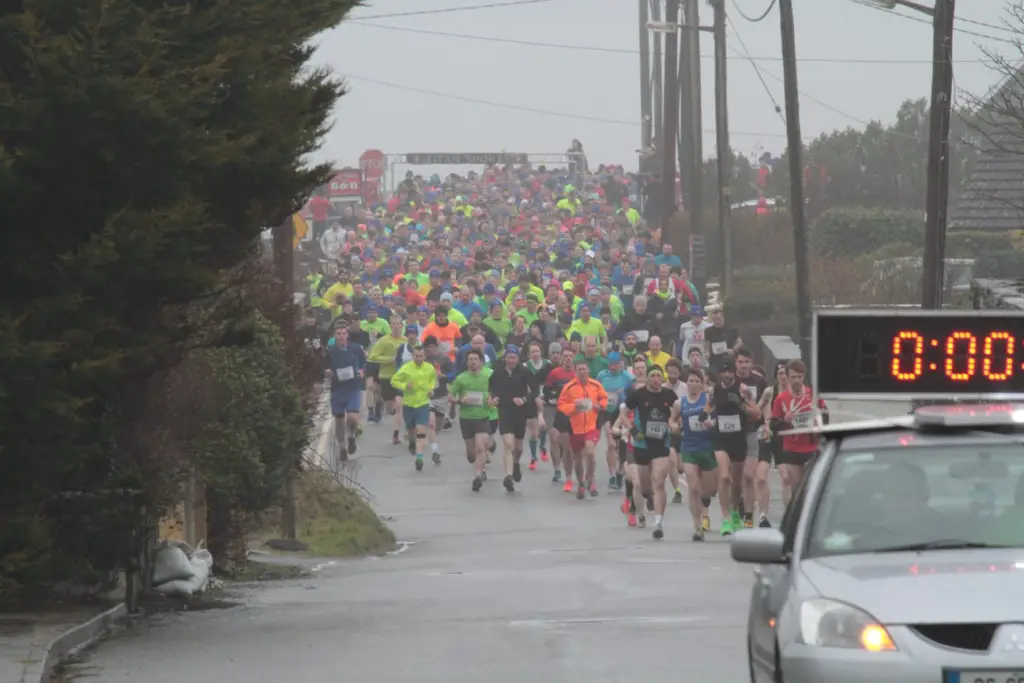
[471, 390]
[416, 381]
[499, 323]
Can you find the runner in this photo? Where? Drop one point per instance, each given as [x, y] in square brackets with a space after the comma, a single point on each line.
[536, 426]
[652, 408]
[794, 409]
[691, 416]
[513, 391]
[345, 369]
[733, 412]
[417, 381]
[582, 400]
[559, 426]
[471, 392]
[439, 401]
[616, 381]
[383, 354]
[754, 386]
[771, 444]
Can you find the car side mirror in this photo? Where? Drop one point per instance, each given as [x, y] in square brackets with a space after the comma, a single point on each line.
[758, 546]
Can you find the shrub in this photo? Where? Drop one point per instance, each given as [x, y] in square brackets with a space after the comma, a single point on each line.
[854, 231]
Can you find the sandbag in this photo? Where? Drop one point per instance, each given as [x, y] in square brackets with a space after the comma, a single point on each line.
[190, 586]
[172, 564]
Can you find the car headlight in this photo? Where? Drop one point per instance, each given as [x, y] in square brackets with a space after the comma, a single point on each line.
[829, 623]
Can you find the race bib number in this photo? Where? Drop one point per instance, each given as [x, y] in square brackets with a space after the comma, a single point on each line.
[345, 374]
[695, 424]
[656, 430]
[474, 398]
[613, 399]
[718, 348]
[584, 404]
[446, 346]
[803, 420]
[627, 290]
[642, 336]
[728, 423]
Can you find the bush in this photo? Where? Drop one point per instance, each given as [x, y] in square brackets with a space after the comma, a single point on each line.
[856, 231]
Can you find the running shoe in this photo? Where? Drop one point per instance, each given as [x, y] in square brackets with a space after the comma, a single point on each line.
[641, 521]
[544, 454]
[677, 497]
[581, 492]
[764, 523]
[436, 457]
[611, 482]
[477, 483]
[533, 465]
[509, 485]
[568, 485]
[557, 476]
[631, 520]
[419, 462]
[658, 532]
[748, 522]
[517, 472]
[698, 534]
[593, 490]
[736, 519]
[395, 439]
[727, 527]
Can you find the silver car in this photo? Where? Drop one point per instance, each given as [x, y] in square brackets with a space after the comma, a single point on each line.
[900, 558]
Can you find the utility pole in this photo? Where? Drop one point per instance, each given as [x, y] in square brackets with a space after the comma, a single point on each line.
[796, 177]
[284, 262]
[657, 76]
[670, 121]
[934, 262]
[695, 132]
[646, 117]
[723, 150]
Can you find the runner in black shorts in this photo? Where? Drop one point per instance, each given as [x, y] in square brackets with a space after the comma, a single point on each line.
[514, 389]
[733, 412]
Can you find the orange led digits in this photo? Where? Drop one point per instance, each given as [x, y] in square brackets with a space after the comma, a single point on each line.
[969, 363]
[912, 369]
[995, 339]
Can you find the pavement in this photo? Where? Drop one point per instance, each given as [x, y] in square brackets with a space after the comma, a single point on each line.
[532, 586]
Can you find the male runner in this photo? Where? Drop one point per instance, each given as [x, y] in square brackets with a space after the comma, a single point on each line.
[345, 369]
[615, 381]
[513, 391]
[559, 426]
[691, 415]
[416, 381]
[536, 426]
[794, 409]
[471, 391]
[582, 400]
[733, 412]
[652, 408]
[743, 487]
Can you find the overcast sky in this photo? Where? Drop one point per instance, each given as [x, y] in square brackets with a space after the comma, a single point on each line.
[411, 89]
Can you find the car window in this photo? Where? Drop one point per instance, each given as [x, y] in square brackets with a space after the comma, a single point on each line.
[937, 494]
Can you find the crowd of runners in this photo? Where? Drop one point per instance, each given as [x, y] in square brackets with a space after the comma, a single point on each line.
[533, 311]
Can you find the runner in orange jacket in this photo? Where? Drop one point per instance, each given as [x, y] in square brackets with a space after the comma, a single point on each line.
[583, 399]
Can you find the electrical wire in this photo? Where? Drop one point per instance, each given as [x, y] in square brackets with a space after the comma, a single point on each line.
[757, 70]
[921, 20]
[445, 10]
[750, 19]
[629, 51]
[532, 110]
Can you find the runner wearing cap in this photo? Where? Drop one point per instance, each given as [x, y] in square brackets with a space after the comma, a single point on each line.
[586, 326]
[652, 408]
[582, 400]
[416, 381]
[734, 411]
[616, 381]
[445, 332]
[513, 390]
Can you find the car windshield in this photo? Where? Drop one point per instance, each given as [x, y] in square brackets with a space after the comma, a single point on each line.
[924, 497]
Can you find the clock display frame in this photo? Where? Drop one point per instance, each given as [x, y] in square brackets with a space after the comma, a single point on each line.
[852, 353]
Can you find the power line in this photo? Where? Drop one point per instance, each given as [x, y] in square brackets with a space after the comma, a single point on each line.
[532, 110]
[921, 20]
[630, 51]
[764, 16]
[771, 96]
[445, 10]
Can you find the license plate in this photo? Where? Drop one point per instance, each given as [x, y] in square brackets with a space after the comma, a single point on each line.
[985, 677]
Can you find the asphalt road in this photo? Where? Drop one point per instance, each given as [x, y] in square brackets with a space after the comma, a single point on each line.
[534, 586]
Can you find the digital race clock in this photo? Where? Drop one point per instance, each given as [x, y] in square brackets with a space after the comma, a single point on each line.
[917, 353]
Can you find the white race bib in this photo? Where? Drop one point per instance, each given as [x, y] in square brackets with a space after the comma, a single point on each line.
[613, 398]
[642, 336]
[345, 374]
[656, 430]
[446, 346]
[473, 398]
[439, 405]
[627, 290]
[695, 424]
[803, 420]
[584, 404]
[728, 423]
[718, 348]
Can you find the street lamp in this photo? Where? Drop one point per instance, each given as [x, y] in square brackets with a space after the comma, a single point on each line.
[934, 260]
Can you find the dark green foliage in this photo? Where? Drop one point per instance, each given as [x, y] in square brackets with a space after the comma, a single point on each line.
[144, 145]
[855, 231]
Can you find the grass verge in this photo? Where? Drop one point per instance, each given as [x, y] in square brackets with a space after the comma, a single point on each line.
[333, 520]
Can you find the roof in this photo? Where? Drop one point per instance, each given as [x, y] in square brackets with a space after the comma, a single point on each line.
[993, 198]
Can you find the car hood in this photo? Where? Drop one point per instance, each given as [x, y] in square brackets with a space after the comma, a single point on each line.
[947, 586]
